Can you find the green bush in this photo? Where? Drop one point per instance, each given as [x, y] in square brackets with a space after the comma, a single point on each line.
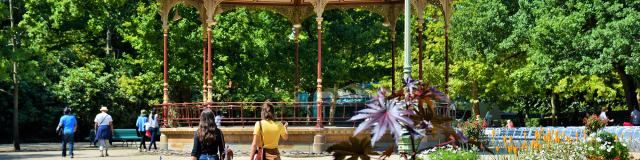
[606, 146]
[532, 122]
[449, 153]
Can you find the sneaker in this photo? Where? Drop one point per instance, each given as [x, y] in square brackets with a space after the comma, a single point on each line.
[139, 149]
[106, 154]
[71, 156]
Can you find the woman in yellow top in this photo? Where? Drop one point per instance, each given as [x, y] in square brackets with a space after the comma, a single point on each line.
[268, 131]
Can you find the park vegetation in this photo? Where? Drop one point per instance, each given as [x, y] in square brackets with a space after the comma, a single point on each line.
[528, 56]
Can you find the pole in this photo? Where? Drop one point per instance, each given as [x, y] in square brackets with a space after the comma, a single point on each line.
[407, 40]
[204, 69]
[446, 57]
[209, 81]
[16, 126]
[420, 57]
[393, 60]
[319, 80]
[296, 41]
[165, 97]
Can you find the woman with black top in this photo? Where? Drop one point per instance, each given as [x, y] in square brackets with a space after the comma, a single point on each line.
[208, 140]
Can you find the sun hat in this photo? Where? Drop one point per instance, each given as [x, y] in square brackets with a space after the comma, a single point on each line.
[103, 108]
[143, 111]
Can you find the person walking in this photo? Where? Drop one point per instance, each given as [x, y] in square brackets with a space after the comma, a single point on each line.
[104, 129]
[141, 130]
[67, 126]
[153, 128]
[266, 134]
[208, 140]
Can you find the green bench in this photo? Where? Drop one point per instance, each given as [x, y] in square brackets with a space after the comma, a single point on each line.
[125, 135]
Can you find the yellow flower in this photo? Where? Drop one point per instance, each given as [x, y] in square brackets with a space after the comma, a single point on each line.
[510, 139]
[498, 149]
[493, 133]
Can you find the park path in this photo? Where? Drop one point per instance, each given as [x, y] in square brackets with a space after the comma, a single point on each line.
[51, 151]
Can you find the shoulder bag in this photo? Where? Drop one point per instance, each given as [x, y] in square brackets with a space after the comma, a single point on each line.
[260, 152]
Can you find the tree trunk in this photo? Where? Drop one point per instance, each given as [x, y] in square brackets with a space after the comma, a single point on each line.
[16, 127]
[334, 100]
[629, 87]
[554, 103]
[474, 96]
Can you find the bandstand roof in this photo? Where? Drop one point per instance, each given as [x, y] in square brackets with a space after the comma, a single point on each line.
[298, 10]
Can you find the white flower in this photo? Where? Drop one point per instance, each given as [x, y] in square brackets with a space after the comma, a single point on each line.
[608, 149]
[623, 144]
[598, 139]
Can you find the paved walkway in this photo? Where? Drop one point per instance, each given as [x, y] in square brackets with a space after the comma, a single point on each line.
[51, 151]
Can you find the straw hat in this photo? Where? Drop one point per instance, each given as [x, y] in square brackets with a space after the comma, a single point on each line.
[143, 111]
[103, 108]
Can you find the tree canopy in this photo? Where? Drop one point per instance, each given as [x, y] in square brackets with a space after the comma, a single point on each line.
[539, 56]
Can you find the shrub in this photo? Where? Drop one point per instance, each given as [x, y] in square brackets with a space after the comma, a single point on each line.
[606, 146]
[562, 150]
[593, 124]
[449, 153]
[532, 122]
[473, 129]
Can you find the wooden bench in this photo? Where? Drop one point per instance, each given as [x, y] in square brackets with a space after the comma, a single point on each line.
[125, 135]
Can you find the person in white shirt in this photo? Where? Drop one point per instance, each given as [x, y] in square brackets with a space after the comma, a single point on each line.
[104, 129]
[218, 119]
[603, 115]
[153, 128]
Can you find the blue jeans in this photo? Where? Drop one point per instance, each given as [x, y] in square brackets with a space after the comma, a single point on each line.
[67, 138]
[208, 157]
[153, 131]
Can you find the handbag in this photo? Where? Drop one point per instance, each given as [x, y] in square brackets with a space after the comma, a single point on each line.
[260, 152]
[148, 134]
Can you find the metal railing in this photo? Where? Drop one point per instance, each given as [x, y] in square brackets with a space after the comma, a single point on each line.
[246, 113]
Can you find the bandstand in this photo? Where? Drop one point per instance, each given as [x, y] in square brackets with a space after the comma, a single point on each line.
[179, 119]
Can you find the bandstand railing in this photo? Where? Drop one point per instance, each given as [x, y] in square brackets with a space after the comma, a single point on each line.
[246, 113]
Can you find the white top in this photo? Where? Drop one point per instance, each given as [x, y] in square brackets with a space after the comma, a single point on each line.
[103, 119]
[635, 117]
[218, 120]
[153, 121]
[603, 116]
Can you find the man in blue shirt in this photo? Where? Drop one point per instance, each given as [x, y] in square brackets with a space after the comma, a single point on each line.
[140, 124]
[69, 125]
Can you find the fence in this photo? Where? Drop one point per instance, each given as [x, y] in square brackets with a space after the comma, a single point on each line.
[246, 113]
[629, 135]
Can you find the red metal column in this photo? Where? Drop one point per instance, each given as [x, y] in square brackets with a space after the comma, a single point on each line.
[393, 60]
[420, 51]
[204, 69]
[319, 80]
[446, 58]
[209, 63]
[296, 41]
[165, 97]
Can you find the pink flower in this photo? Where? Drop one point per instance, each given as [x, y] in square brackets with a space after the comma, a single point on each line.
[383, 114]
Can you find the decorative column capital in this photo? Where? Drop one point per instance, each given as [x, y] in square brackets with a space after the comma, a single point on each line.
[318, 6]
[319, 22]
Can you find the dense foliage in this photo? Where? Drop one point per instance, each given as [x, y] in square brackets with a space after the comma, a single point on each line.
[537, 56]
